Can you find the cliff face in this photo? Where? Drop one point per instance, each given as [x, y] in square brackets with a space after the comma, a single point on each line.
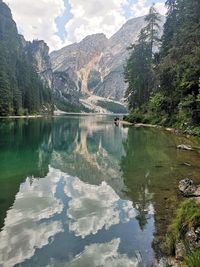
[21, 89]
[39, 52]
[105, 57]
[62, 85]
[79, 59]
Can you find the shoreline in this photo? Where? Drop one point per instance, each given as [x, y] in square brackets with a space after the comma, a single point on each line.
[156, 126]
[64, 114]
[23, 117]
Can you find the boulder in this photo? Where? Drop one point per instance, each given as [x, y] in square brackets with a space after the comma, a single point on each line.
[188, 188]
[179, 251]
[192, 239]
[184, 147]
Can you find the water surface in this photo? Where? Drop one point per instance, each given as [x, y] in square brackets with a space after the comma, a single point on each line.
[79, 191]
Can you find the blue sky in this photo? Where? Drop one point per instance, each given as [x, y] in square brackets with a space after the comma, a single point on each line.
[61, 22]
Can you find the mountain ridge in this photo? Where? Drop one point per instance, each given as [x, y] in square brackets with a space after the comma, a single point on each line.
[101, 58]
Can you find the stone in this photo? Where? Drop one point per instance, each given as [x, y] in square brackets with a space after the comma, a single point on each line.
[179, 251]
[191, 238]
[188, 188]
[184, 147]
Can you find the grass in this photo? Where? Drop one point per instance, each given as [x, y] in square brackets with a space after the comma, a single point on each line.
[193, 259]
[187, 216]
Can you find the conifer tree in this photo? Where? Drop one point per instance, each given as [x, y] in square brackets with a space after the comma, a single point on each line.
[139, 70]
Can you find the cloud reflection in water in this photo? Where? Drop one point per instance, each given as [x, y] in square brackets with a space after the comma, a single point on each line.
[105, 254]
[32, 224]
[91, 207]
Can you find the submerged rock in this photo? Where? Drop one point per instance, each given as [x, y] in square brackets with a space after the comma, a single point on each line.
[188, 188]
[184, 147]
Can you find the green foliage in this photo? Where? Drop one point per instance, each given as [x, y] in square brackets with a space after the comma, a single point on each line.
[63, 104]
[139, 70]
[21, 90]
[174, 73]
[187, 216]
[193, 259]
[66, 106]
[157, 101]
[112, 106]
[196, 131]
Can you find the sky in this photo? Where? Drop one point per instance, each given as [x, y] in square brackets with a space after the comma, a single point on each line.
[62, 22]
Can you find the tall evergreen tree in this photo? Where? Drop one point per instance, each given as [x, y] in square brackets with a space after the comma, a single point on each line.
[152, 29]
[180, 59]
[139, 70]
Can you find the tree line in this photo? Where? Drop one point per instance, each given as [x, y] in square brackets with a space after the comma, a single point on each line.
[163, 74]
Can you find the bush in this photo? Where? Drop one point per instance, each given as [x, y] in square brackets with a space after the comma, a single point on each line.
[196, 131]
[156, 102]
[134, 118]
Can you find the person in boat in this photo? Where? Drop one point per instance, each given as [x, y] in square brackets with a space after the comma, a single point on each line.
[116, 121]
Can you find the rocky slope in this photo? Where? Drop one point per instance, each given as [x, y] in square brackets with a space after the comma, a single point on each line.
[79, 59]
[99, 61]
[39, 53]
[63, 86]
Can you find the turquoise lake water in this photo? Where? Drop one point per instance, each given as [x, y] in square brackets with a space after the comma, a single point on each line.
[79, 191]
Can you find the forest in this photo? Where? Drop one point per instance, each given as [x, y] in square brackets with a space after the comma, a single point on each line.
[163, 74]
[21, 90]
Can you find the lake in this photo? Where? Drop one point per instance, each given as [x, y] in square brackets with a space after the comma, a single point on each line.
[80, 191]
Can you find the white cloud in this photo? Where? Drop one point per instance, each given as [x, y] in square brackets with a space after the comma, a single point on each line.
[36, 19]
[141, 8]
[95, 17]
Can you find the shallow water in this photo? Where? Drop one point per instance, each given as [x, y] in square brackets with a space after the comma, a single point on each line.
[79, 191]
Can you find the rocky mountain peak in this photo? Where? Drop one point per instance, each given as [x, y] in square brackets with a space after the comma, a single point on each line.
[99, 61]
[92, 40]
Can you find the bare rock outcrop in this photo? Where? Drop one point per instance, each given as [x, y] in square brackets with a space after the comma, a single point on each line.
[188, 188]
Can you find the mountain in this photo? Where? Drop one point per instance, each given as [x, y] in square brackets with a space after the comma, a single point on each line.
[85, 76]
[96, 63]
[21, 89]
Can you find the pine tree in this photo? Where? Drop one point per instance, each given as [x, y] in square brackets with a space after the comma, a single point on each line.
[152, 29]
[139, 70]
[179, 68]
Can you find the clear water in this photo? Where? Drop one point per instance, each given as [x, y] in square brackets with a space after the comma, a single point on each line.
[79, 191]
